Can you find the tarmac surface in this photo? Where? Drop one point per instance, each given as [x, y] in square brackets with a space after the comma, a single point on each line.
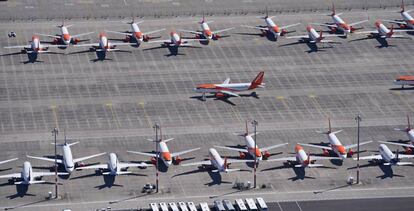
[111, 106]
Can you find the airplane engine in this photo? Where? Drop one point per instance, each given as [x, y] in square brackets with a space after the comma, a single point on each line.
[333, 30]
[350, 153]
[177, 160]
[153, 161]
[266, 155]
[127, 38]
[284, 31]
[216, 36]
[325, 152]
[197, 36]
[76, 41]
[219, 95]
[242, 155]
[146, 38]
[55, 41]
[408, 150]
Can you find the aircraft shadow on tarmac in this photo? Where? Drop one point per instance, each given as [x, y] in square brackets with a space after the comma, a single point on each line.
[401, 89]
[386, 170]
[313, 47]
[383, 42]
[31, 57]
[226, 98]
[216, 178]
[269, 36]
[300, 173]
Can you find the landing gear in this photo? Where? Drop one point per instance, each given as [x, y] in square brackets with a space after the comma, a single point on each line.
[203, 97]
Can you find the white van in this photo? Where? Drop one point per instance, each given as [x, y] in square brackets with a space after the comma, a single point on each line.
[183, 206]
[262, 204]
[191, 206]
[240, 206]
[154, 207]
[164, 206]
[173, 206]
[251, 205]
[204, 206]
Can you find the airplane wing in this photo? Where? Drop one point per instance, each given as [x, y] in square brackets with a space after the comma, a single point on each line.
[370, 157]
[403, 30]
[222, 30]
[183, 152]
[121, 43]
[288, 26]
[48, 35]
[15, 175]
[398, 144]
[152, 32]
[229, 93]
[282, 159]
[317, 146]
[41, 174]
[160, 41]
[206, 162]
[327, 25]
[143, 153]
[255, 27]
[19, 46]
[54, 46]
[356, 23]
[355, 145]
[239, 161]
[126, 165]
[299, 36]
[115, 32]
[397, 22]
[367, 32]
[324, 158]
[233, 148]
[334, 35]
[80, 35]
[45, 159]
[88, 157]
[274, 146]
[193, 40]
[98, 166]
[405, 156]
[189, 31]
[87, 45]
[6, 161]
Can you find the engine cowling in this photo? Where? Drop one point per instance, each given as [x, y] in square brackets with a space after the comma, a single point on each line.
[76, 40]
[177, 160]
[408, 150]
[55, 41]
[284, 31]
[325, 152]
[350, 153]
[146, 38]
[216, 36]
[154, 161]
[197, 36]
[266, 155]
[333, 30]
[127, 38]
[242, 155]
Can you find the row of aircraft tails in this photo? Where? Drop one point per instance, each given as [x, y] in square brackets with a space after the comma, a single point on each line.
[135, 37]
[333, 149]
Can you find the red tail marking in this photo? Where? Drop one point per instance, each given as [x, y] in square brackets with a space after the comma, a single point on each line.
[257, 81]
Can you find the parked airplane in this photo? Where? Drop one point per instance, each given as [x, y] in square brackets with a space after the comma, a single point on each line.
[339, 23]
[67, 158]
[65, 38]
[35, 46]
[217, 163]
[165, 155]
[408, 146]
[27, 176]
[404, 80]
[383, 32]
[335, 145]
[135, 34]
[205, 32]
[114, 167]
[176, 41]
[407, 21]
[271, 27]
[103, 45]
[302, 159]
[6, 161]
[229, 89]
[260, 153]
[314, 37]
[388, 157]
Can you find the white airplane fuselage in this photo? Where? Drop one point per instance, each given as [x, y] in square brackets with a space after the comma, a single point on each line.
[409, 20]
[383, 31]
[136, 33]
[302, 157]
[27, 172]
[206, 31]
[214, 88]
[386, 154]
[66, 38]
[341, 24]
[216, 160]
[175, 39]
[68, 158]
[113, 164]
[104, 43]
[165, 154]
[251, 149]
[313, 35]
[337, 146]
[273, 28]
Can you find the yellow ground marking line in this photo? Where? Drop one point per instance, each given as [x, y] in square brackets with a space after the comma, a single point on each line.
[114, 116]
[142, 105]
[55, 116]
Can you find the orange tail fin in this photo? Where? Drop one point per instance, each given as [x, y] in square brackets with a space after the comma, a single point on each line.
[257, 81]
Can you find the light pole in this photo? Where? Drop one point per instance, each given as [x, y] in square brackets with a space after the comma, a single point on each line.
[156, 127]
[358, 120]
[55, 132]
[255, 123]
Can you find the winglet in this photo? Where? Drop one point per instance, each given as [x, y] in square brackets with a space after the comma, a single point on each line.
[257, 80]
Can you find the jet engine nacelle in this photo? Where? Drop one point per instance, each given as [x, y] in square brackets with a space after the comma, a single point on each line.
[284, 31]
[408, 150]
[76, 40]
[216, 36]
[266, 155]
[350, 153]
[242, 155]
[146, 38]
[127, 38]
[55, 41]
[154, 161]
[325, 152]
[177, 160]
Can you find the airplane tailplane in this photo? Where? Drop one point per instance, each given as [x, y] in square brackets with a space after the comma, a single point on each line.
[257, 80]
